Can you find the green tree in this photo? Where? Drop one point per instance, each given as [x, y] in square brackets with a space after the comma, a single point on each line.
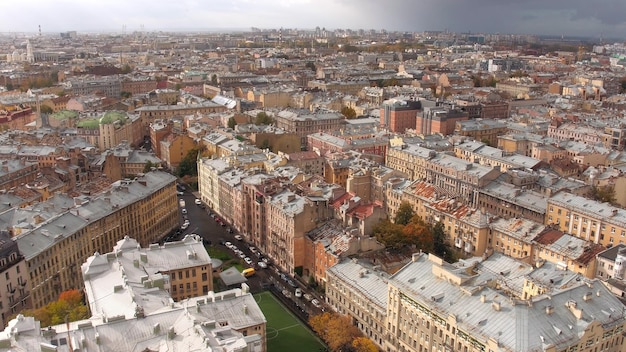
[603, 193]
[623, 85]
[404, 214]
[389, 234]
[348, 112]
[126, 69]
[189, 166]
[311, 66]
[148, 166]
[263, 118]
[232, 122]
[178, 86]
[214, 79]
[440, 247]
[126, 95]
[45, 109]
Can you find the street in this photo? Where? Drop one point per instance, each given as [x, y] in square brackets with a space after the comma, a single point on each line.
[214, 234]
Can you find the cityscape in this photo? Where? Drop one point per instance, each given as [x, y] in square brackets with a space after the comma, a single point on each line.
[324, 189]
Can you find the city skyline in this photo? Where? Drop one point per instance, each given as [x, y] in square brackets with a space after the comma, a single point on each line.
[603, 18]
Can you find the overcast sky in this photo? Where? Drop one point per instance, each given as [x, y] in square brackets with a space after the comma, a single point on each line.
[591, 18]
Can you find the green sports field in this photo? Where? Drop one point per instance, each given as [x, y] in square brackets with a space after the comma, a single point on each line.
[285, 332]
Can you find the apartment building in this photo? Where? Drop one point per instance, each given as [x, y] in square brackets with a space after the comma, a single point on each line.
[410, 160]
[149, 113]
[567, 252]
[360, 292]
[514, 237]
[132, 309]
[17, 172]
[13, 276]
[584, 218]
[465, 228]
[174, 148]
[610, 269]
[182, 269]
[145, 208]
[510, 201]
[290, 216]
[111, 129]
[138, 85]
[304, 122]
[439, 119]
[478, 152]
[109, 86]
[435, 305]
[399, 115]
[458, 178]
[483, 130]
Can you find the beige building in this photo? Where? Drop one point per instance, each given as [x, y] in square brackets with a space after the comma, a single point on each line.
[584, 218]
[13, 276]
[514, 237]
[145, 208]
[174, 148]
[436, 306]
[360, 292]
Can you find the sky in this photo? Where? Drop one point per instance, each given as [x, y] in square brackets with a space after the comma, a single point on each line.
[589, 18]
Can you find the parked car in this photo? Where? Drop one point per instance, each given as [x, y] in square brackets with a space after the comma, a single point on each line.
[184, 226]
[197, 201]
[228, 244]
[308, 297]
[316, 303]
[238, 238]
[184, 211]
[291, 283]
[298, 293]
[247, 260]
[261, 265]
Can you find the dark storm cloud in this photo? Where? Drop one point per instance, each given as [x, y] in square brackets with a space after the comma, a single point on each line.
[505, 16]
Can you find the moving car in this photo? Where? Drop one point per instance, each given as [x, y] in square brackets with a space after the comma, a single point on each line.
[248, 272]
[261, 265]
[197, 201]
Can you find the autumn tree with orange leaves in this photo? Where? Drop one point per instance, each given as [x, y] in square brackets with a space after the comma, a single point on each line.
[70, 304]
[339, 333]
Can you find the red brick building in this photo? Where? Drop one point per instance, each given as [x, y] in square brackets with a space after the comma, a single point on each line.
[399, 115]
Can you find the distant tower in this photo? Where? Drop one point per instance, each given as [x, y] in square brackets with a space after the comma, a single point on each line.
[29, 52]
[40, 30]
[280, 36]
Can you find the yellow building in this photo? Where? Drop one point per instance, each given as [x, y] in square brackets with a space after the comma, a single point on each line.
[514, 237]
[174, 149]
[584, 218]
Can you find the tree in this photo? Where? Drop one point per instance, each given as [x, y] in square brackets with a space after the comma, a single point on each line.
[336, 330]
[45, 109]
[404, 214]
[263, 118]
[70, 305]
[311, 66]
[232, 122]
[440, 247]
[214, 79]
[418, 233]
[126, 94]
[126, 69]
[189, 166]
[389, 234]
[363, 344]
[348, 112]
[603, 193]
[148, 166]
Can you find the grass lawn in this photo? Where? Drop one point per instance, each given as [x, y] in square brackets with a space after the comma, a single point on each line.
[285, 332]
